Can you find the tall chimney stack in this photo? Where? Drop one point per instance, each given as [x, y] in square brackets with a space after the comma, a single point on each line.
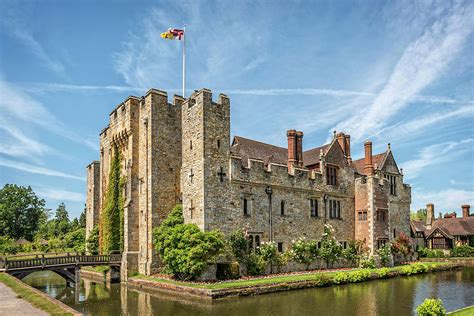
[368, 168]
[347, 139]
[465, 210]
[429, 214]
[341, 139]
[292, 147]
[299, 148]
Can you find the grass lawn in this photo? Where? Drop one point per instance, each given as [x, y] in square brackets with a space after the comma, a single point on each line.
[467, 311]
[268, 279]
[100, 269]
[34, 298]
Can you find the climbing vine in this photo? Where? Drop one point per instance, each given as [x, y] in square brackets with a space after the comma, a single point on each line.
[112, 214]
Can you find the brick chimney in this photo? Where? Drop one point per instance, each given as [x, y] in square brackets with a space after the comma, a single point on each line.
[341, 139]
[299, 147]
[295, 148]
[429, 214]
[368, 168]
[347, 139]
[465, 210]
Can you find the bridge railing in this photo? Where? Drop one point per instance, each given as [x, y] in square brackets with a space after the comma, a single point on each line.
[58, 259]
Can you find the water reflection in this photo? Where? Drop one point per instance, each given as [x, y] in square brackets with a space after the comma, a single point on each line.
[398, 296]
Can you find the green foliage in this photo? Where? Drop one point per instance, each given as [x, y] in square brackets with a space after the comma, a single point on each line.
[322, 280]
[359, 276]
[415, 268]
[21, 212]
[367, 263]
[419, 215]
[341, 278]
[184, 249]
[462, 251]
[56, 244]
[61, 219]
[303, 251]
[431, 307]
[431, 253]
[112, 214]
[383, 272]
[384, 254]
[270, 255]
[330, 248]
[255, 264]
[76, 239]
[238, 246]
[8, 246]
[82, 219]
[92, 243]
[471, 240]
[355, 250]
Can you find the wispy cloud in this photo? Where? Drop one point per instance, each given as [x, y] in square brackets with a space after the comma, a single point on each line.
[14, 22]
[17, 108]
[444, 200]
[435, 154]
[36, 170]
[422, 62]
[60, 195]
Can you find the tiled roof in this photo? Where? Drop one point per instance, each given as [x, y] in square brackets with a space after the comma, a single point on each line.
[376, 161]
[248, 148]
[461, 226]
[418, 226]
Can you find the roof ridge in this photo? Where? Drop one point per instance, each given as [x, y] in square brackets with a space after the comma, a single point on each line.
[256, 141]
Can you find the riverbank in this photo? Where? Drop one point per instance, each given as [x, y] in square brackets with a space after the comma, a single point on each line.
[467, 311]
[33, 297]
[465, 261]
[286, 282]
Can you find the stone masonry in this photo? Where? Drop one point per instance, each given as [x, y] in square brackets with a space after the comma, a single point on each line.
[93, 196]
[182, 152]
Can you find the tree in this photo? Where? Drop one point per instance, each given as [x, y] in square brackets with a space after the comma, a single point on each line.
[330, 247]
[419, 215]
[62, 220]
[184, 249]
[82, 219]
[76, 239]
[112, 217]
[21, 212]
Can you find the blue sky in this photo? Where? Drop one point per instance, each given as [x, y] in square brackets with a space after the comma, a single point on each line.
[399, 72]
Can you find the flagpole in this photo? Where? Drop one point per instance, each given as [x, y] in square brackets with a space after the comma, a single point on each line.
[184, 61]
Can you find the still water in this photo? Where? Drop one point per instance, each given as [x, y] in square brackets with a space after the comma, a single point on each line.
[397, 296]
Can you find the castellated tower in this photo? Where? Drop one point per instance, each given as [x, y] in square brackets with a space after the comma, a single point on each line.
[205, 160]
[146, 132]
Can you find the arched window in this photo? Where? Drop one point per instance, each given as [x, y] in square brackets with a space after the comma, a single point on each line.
[250, 241]
[282, 208]
[257, 241]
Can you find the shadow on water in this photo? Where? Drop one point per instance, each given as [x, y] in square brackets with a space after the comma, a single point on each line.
[397, 296]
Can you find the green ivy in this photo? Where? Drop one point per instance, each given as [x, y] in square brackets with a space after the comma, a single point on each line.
[112, 214]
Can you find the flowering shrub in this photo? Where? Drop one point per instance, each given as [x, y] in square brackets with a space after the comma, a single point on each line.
[431, 307]
[354, 251]
[367, 263]
[402, 245]
[384, 254]
[303, 251]
[330, 248]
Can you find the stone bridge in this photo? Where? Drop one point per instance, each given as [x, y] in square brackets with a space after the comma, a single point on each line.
[65, 264]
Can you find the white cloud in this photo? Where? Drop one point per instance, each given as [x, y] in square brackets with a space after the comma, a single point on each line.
[435, 154]
[422, 62]
[14, 22]
[37, 170]
[18, 108]
[444, 200]
[60, 195]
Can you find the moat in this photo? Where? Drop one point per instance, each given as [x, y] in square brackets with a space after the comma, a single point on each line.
[396, 296]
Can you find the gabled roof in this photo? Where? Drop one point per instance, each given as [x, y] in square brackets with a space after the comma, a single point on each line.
[418, 226]
[441, 230]
[461, 226]
[248, 148]
[376, 161]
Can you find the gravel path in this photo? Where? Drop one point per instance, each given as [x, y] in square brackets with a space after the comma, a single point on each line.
[11, 305]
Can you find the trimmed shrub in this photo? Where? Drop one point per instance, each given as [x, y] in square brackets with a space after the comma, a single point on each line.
[322, 280]
[431, 253]
[341, 278]
[431, 307]
[383, 272]
[462, 251]
[415, 268]
[359, 276]
[8, 246]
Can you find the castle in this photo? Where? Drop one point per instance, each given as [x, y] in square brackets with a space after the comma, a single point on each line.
[181, 152]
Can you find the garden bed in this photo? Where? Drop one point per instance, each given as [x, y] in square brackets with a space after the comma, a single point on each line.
[283, 282]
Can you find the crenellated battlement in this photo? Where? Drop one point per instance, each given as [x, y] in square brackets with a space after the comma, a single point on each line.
[255, 171]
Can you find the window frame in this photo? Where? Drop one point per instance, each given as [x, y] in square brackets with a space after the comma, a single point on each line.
[331, 175]
[313, 208]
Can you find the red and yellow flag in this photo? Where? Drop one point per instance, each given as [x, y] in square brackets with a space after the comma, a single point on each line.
[173, 34]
